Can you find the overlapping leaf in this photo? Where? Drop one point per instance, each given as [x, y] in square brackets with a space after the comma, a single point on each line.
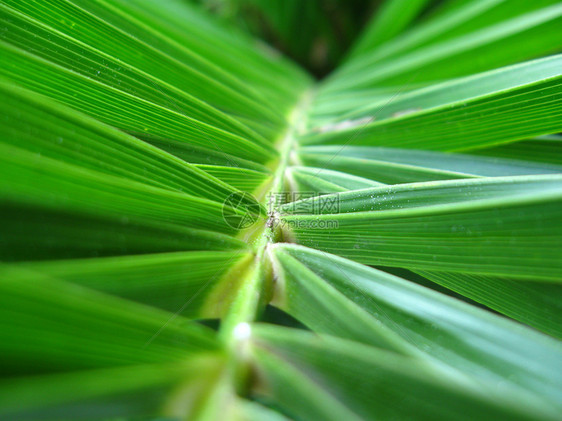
[393, 166]
[496, 107]
[184, 282]
[491, 226]
[50, 325]
[359, 303]
[497, 32]
[320, 377]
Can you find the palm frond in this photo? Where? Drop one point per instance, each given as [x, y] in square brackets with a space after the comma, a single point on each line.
[194, 228]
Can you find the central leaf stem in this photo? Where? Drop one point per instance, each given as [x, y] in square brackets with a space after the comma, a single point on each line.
[256, 286]
[255, 290]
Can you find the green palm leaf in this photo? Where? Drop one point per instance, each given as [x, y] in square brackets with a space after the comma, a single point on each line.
[345, 379]
[194, 228]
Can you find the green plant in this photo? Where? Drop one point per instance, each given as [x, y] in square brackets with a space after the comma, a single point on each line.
[411, 265]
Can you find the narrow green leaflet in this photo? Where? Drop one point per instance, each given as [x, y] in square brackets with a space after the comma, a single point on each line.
[319, 180]
[40, 181]
[173, 63]
[50, 325]
[367, 305]
[466, 88]
[58, 210]
[507, 105]
[252, 411]
[42, 40]
[43, 127]
[529, 33]
[394, 166]
[131, 114]
[321, 377]
[200, 155]
[251, 62]
[240, 178]
[448, 21]
[497, 32]
[313, 302]
[546, 149]
[295, 392]
[135, 391]
[490, 226]
[537, 304]
[183, 281]
[39, 233]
